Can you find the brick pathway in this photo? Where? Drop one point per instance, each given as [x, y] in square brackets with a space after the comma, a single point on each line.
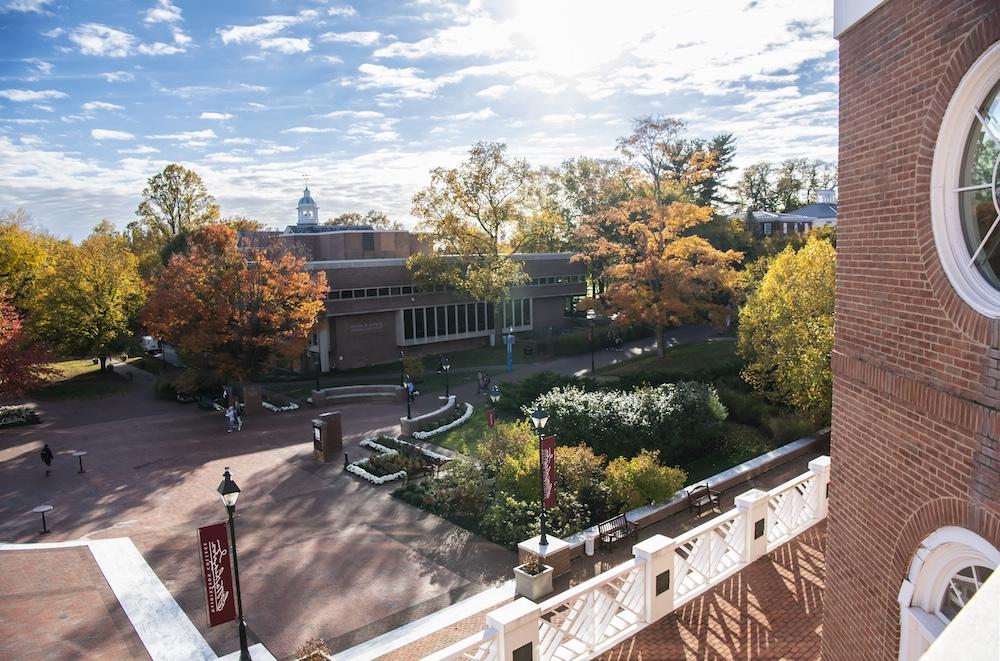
[55, 604]
[773, 609]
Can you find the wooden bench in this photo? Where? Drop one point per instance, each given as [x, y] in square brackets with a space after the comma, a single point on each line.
[616, 529]
[702, 496]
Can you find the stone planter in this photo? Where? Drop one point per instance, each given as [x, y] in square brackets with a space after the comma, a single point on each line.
[533, 586]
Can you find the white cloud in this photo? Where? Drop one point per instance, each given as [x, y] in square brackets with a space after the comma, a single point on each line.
[346, 10]
[221, 116]
[163, 12]
[563, 118]
[406, 82]
[308, 129]
[227, 158]
[180, 38]
[32, 6]
[356, 114]
[328, 59]
[159, 48]
[479, 35]
[256, 106]
[38, 67]
[494, 91]
[43, 107]
[239, 141]
[271, 26]
[276, 149]
[105, 134]
[101, 40]
[24, 122]
[287, 45]
[101, 105]
[31, 95]
[53, 33]
[185, 136]
[472, 116]
[359, 38]
[118, 77]
[140, 149]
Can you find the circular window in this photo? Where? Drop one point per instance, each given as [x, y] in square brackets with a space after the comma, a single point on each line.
[965, 201]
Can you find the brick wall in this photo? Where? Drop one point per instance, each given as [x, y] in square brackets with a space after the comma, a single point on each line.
[915, 417]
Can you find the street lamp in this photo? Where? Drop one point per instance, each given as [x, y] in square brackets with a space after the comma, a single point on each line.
[316, 366]
[407, 385]
[494, 394]
[446, 367]
[402, 367]
[591, 317]
[230, 492]
[538, 418]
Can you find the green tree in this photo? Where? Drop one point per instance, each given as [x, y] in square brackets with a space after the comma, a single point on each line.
[642, 480]
[377, 220]
[786, 329]
[24, 254]
[175, 201]
[755, 189]
[87, 303]
[470, 214]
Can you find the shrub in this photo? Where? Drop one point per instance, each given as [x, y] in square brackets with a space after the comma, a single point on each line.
[532, 387]
[12, 416]
[743, 407]
[464, 491]
[414, 366]
[510, 520]
[678, 419]
[164, 388]
[387, 464]
[741, 440]
[313, 650]
[641, 480]
[785, 428]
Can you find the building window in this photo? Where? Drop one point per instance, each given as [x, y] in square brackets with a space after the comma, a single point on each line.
[408, 324]
[960, 589]
[767, 228]
[368, 241]
[965, 211]
[431, 324]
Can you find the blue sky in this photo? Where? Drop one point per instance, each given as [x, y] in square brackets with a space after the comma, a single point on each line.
[365, 98]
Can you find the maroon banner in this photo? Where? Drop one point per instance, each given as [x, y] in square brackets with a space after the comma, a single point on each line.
[549, 471]
[491, 418]
[218, 572]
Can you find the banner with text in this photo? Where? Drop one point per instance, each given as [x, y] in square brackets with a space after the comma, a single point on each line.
[218, 572]
[549, 471]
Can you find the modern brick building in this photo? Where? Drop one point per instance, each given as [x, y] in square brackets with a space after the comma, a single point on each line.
[914, 510]
[374, 309]
[822, 213]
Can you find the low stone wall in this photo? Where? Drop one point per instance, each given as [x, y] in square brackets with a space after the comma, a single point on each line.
[427, 421]
[363, 393]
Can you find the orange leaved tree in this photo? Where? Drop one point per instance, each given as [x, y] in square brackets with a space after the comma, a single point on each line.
[232, 306]
[661, 275]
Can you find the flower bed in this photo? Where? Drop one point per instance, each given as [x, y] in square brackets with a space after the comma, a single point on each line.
[458, 422]
[277, 408]
[359, 469]
[12, 416]
[394, 460]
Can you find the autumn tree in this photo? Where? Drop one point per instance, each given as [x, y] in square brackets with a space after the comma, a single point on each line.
[86, 303]
[23, 364]
[232, 308]
[786, 329]
[23, 256]
[661, 275]
[470, 214]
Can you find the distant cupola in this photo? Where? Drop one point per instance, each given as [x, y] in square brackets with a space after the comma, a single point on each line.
[308, 211]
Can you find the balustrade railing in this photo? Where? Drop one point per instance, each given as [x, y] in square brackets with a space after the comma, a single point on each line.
[577, 622]
[665, 574]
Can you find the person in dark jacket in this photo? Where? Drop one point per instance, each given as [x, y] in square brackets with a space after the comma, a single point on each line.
[47, 458]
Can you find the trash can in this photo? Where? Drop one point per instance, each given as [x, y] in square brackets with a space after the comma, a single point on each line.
[588, 543]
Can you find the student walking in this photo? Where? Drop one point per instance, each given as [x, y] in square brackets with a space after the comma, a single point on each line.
[238, 416]
[231, 417]
[47, 458]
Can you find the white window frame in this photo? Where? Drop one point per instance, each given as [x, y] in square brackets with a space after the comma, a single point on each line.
[767, 229]
[939, 557]
[949, 238]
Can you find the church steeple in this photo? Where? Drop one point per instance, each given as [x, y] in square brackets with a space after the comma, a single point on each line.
[308, 210]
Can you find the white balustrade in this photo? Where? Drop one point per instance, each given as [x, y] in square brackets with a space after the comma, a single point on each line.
[709, 553]
[609, 608]
[605, 608]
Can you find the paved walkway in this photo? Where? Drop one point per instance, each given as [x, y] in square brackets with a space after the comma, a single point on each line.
[773, 609]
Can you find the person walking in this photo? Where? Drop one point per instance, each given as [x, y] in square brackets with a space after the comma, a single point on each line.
[231, 417]
[238, 416]
[47, 458]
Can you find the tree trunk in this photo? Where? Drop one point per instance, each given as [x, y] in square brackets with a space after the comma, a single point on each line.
[660, 340]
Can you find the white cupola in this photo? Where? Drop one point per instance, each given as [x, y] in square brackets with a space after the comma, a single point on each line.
[308, 211]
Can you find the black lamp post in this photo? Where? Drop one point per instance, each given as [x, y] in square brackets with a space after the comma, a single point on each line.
[494, 393]
[591, 317]
[406, 386]
[316, 365]
[446, 367]
[230, 492]
[402, 367]
[538, 418]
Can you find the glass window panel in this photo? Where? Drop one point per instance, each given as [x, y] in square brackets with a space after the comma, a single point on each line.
[368, 241]
[407, 290]
[480, 316]
[442, 325]
[518, 318]
[452, 325]
[489, 316]
[393, 291]
[347, 293]
[527, 311]
[359, 293]
[333, 295]
[383, 291]
[418, 323]
[461, 318]
[371, 292]
[408, 324]
[470, 311]
[431, 323]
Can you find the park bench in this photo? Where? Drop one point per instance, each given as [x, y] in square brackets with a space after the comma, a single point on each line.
[702, 496]
[616, 529]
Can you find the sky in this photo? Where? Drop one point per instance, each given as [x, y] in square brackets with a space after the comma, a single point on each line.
[362, 100]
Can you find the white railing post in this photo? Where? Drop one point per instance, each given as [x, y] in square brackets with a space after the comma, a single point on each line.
[516, 625]
[820, 466]
[659, 579]
[753, 507]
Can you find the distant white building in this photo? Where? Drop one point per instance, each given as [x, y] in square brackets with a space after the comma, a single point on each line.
[820, 214]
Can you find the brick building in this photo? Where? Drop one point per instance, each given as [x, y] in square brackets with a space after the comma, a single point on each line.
[374, 309]
[822, 213]
[914, 523]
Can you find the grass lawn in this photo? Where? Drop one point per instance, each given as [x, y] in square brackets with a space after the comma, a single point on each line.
[147, 363]
[683, 361]
[81, 378]
[465, 438]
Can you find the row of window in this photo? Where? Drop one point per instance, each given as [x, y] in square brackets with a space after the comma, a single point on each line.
[795, 227]
[409, 290]
[444, 321]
